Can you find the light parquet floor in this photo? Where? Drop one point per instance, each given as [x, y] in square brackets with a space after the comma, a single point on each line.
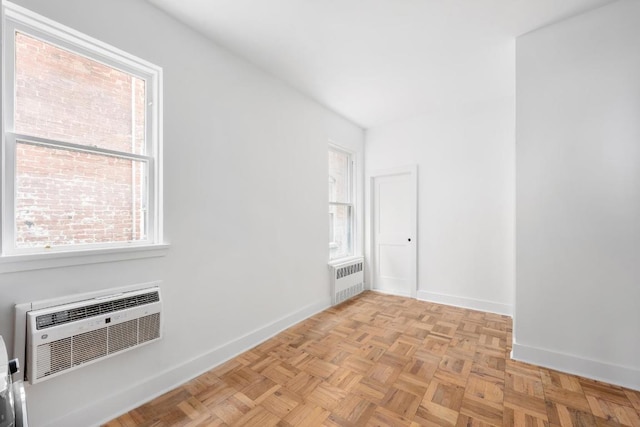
[383, 360]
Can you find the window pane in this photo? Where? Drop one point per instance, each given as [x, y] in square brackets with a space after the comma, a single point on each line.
[64, 96]
[66, 197]
[340, 225]
[339, 179]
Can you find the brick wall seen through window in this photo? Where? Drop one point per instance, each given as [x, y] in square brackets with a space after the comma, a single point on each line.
[70, 196]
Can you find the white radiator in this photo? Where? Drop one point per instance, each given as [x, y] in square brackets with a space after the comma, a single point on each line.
[347, 280]
[65, 337]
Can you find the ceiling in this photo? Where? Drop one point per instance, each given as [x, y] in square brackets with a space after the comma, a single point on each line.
[378, 61]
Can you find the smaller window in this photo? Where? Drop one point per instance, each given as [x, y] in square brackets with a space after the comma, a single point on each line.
[341, 206]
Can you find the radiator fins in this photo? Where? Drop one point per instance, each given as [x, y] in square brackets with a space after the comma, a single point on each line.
[348, 270]
[348, 293]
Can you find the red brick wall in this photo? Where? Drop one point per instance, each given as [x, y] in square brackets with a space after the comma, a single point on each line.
[70, 197]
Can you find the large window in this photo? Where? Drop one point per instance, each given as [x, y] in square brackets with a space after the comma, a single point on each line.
[341, 206]
[81, 141]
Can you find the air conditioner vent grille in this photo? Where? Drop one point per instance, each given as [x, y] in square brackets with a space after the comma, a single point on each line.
[54, 357]
[65, 316]
[89, 346]
[123, 336]
[66, 353]
[149, 328]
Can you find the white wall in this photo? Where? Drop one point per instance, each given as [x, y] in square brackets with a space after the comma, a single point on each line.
[578, 195]
[466, 190]
[245, 211]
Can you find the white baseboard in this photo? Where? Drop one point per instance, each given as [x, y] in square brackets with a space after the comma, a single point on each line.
[601, 371]
[389, 292]
[137, 394]
[472, 303]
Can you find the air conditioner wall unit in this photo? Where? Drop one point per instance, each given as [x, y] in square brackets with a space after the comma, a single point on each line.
[62, 338]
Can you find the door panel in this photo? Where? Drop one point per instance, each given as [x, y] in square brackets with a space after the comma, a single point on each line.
[393, 262]
[393, 204]
[393, 228]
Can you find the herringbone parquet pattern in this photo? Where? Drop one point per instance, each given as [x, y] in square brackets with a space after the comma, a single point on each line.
[382, 360]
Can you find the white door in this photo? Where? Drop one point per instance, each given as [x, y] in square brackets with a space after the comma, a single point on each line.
[393, 233]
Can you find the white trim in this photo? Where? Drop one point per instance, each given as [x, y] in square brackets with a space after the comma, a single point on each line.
[399, 170]
[133, 395]
[464, 302]
[158, 171]
[394, 293]
[614, 374]
[52, 143]
[412, 170]
[41, 23]
[13, 263]
[346, 260]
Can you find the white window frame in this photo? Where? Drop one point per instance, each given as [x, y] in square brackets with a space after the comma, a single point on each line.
[18, 19]
[351, 203]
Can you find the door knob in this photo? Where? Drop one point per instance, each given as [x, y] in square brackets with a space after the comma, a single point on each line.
[409, 239]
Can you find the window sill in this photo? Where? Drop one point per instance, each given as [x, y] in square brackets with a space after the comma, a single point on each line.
[345, 260]
[14, 263]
